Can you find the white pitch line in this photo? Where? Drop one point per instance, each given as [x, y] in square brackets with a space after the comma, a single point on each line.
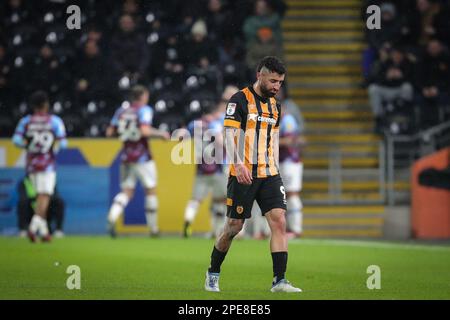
[371, 244]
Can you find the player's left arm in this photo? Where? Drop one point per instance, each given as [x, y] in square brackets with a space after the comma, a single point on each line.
[18, 138]
[145, 125]
[111, 131]
[60, 133]
[289, 131]
[148, 131]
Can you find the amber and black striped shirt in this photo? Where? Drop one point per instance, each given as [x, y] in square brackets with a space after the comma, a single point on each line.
[259, 119]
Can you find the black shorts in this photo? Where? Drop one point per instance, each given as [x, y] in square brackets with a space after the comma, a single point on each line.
[268, 192]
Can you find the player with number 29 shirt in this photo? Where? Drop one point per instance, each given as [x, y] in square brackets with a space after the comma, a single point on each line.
[37, 133]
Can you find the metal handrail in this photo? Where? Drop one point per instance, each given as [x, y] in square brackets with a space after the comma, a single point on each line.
[336, 171]
[427, 136]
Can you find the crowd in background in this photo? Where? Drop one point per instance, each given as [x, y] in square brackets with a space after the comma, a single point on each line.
[406, 66]
[185, 52]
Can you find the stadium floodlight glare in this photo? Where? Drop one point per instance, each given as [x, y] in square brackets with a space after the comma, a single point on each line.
[18, 62]
[23, 107]
[125, 104]
[172, 54]
[17, 40]
[92, 107]
[160, 106]
[192, 81]
[150, 17]
[49, 17]
[94, 130]
[153, 38]
[230, 68]
[124, 82]
[194, 106]
[57, 107]
[51, 37]
[15, 18]
[158, 84]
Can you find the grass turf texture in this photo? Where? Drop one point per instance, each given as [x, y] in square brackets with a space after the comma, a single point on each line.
[174, 268]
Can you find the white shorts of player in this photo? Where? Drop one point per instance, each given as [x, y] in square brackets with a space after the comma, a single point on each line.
[206, 183]
[292, 175]
[44, 182]
[144, 172]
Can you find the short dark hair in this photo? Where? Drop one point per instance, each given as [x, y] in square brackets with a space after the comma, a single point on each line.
[137, 91]
[273, 64]
[38, 99]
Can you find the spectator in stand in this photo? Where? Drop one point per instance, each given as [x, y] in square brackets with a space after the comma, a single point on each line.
[49, 73]
[217, 19]
[95, 34]
[200, 49]
[4, 73]
[129, 52]
[390, 33]
[278, 6]
[263, 17]
[14, 13]
[91, 74]
[232, 60]
[392, 81]
[433, 82]
[430, 20]
[264, 45]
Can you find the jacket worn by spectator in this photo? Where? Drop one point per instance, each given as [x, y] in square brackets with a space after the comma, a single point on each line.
[403, 75]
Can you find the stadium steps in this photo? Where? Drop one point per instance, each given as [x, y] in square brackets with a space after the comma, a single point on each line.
[323, 4]
[322, 36]
[323, 44]
[346, 221]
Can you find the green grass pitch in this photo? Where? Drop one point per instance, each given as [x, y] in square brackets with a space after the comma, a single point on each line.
[173, 268]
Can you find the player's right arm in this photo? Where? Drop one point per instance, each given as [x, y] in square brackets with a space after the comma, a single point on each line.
[59, 130]
[243, 174]
[148, 131]
[145, 125]
[111, 131]
[289, 130]
[235, 114]
[18, 137]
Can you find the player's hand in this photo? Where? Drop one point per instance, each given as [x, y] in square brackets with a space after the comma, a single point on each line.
[165, 135]
[243, 175]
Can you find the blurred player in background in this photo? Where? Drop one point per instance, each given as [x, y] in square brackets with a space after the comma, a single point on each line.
[291, 170]
[209, 177]
[133, 125]
[37, 133]
[27, 204]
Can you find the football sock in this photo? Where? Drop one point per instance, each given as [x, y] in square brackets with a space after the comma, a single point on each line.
[35, 223]
[119, 203]
[151, 208]
[294, 214]
[43, 228]
[217, 258]
[191, 211]
[279, 260]
[218, 217]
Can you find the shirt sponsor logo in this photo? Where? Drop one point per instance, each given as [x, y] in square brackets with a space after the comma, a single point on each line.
[255, 117]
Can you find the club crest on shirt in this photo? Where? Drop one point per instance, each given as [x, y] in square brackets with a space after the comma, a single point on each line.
[231, 108]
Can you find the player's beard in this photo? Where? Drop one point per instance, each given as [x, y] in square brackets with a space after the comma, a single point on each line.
[266, 93]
